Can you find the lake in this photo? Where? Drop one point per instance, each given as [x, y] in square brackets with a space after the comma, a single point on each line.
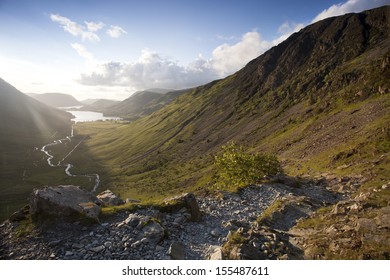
[89, 116]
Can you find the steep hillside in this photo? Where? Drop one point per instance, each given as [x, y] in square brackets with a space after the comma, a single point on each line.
[26, 124]
[319, 101]
[57, 99]
[142, 103]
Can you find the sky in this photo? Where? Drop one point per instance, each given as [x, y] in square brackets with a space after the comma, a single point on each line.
[111, 49]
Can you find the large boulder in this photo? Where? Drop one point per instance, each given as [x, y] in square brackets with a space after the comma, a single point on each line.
[64, 201]
[109, 198]
[187, 200]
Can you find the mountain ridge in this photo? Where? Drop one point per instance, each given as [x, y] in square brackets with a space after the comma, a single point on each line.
[142, 103]
[55, 99]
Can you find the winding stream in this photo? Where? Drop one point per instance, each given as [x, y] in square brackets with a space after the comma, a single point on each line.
[67, 166]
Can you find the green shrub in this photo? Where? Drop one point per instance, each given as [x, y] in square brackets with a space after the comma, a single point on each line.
[236, 168]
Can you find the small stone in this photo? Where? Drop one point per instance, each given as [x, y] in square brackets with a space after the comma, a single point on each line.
[54, 243]
[159, 248]
[136, 244]
[215, 253]
[98, 249]
[68, 253]
[179, 220]
[215, 233]
[77, 246]
[133, 220]
[144, 240]
[177, 251]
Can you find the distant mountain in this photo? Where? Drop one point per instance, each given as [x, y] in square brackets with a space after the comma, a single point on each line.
[57, 99]
[89, 101]
[142, 103]
[26, 124]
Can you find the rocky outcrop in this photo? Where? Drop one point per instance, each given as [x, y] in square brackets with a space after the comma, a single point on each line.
[255, 223]
[64, 201]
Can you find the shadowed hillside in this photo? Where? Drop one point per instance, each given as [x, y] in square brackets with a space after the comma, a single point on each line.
[26, 124]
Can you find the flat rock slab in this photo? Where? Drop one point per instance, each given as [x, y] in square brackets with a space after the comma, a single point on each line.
[64, 201]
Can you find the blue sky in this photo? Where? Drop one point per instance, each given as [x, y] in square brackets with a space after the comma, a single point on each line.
[110, 49]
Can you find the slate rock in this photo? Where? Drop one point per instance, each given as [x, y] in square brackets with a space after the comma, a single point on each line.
[64, 201]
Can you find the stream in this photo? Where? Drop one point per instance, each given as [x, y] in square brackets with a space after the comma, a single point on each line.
[67, 166]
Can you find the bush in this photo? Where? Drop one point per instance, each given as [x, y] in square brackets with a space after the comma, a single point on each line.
[236, 168]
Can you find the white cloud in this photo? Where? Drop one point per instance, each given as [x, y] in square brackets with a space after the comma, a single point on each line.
[94, 26]
[151, 70]
[75, 29]
[351, 6]
[115, 31]
[229, 58]
[82, 51]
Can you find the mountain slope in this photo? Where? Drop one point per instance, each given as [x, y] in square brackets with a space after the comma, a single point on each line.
[26, 124]
[319, 101]
[327, 68]
[142, 103]
[57, 99]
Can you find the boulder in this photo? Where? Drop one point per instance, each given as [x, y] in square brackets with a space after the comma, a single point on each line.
[64, 201]
[154, 232]
[133, 220]
[285, 180]
[109, 198]
[189, 201]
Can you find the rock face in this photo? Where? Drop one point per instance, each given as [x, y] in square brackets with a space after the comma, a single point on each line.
[109, 198]
[64, 201]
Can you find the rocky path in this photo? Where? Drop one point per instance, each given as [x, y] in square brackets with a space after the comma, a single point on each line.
[152, 234]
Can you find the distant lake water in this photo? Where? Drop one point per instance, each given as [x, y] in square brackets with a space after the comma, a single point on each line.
[89, 116]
